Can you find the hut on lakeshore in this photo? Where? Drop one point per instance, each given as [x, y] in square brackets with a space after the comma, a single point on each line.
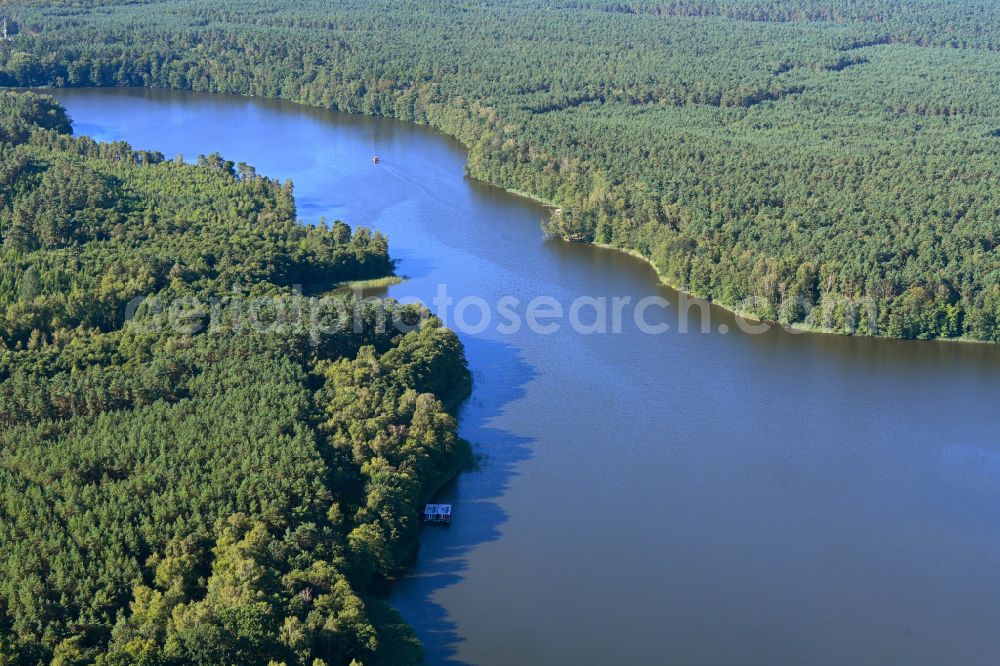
[437, 513]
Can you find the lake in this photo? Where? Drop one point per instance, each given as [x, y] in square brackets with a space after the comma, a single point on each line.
[707, 497]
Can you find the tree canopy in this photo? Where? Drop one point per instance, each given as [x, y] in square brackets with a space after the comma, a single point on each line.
[826, 163]
[186, 494]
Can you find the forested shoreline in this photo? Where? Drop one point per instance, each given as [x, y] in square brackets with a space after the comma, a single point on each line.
[832, 165]
[181, 486]
[212, 487]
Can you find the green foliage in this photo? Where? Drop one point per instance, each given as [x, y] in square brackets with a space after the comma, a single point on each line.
[86, 227]
[730, 141]
[174, 495]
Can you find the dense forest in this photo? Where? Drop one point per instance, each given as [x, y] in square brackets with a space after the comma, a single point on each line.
[826, 163]
[174, 492]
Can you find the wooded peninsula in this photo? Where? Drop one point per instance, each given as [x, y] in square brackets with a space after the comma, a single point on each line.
[178, 494]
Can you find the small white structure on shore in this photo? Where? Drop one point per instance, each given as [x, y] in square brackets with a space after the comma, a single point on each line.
[437, 513]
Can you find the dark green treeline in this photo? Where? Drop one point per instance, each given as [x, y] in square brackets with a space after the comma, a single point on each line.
[827, 163]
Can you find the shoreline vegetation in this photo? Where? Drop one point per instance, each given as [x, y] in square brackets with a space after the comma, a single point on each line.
[798, 327]
[787, 171]
[662, 279]
[173, 496]
[370, 284]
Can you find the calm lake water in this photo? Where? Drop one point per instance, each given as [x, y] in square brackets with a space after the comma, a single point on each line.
[692, 498]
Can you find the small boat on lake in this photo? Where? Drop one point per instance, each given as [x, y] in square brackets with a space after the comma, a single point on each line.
[375, 159]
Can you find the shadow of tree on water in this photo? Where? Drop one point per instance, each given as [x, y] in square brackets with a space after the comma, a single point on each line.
[500, 378]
